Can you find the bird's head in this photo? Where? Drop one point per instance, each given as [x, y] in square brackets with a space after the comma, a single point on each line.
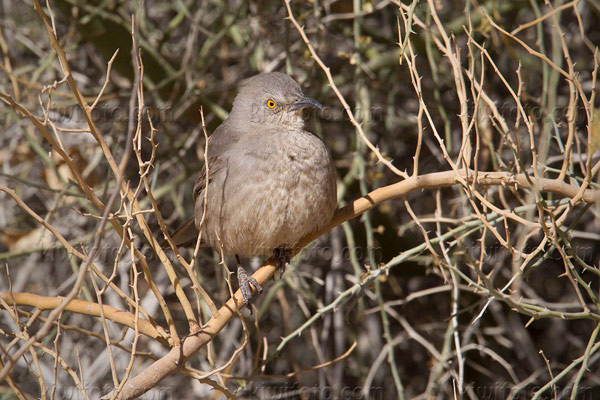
[272, 100]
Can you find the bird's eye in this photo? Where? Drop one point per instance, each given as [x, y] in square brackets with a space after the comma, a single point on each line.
[271, 104]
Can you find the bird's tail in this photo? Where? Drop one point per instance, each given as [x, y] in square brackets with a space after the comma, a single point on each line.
[186, 235]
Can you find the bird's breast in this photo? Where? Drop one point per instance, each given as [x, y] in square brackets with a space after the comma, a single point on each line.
[277, 192]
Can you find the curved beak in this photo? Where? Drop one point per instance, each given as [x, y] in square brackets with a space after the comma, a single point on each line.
[305, 102]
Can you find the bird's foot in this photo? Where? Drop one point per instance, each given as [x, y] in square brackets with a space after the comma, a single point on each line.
[282, 257]
[244, 281]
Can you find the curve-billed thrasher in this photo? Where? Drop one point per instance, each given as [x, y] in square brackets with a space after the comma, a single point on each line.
[270, 182]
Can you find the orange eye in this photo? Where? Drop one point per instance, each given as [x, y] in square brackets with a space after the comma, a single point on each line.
[271, 104]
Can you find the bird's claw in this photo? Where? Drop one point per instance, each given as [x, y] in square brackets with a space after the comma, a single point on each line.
[282, 258]
[244, 281]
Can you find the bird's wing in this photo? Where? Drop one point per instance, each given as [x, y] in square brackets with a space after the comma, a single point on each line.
[218, 144]
[222, 140]
[185, 236]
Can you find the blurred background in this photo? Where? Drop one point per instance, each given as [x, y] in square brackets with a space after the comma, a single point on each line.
[462, 309]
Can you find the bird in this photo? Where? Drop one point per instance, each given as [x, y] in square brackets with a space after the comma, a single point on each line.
[267, 182]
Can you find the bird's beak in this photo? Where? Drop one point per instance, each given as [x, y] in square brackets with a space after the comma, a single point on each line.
[305, 102]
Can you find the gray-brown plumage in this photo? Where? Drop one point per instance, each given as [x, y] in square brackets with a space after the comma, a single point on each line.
[270, 182]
